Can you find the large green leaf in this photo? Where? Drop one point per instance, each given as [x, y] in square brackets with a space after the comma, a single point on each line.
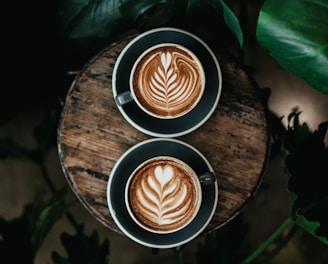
[230, 18]
[295, 33]
[232, 22]
[104, 18]
[306, 159]
[89, 18]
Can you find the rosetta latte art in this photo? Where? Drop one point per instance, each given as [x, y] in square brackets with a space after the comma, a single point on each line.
[163, 198]
[169, 82]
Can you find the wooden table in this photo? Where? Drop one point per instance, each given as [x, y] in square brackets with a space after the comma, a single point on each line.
[93, 134]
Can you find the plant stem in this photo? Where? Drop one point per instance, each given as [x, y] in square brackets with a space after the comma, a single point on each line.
[269, 240]
[282, 243]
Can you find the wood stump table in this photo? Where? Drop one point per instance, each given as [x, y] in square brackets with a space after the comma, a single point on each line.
[92, 135]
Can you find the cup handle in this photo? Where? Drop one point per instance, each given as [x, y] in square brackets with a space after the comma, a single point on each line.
[207, 178]
[124, 98]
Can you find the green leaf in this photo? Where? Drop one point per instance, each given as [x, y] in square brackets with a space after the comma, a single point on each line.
[10, 149]
[83, 249]
[90, 18]
[104, 18]
[311, 227]
[26, 233]
[230, 18]
[46, 215]
[135, 10]
[232, 22]
[12, 242]
[295, 33]
[225, 245]
[46, 132]
[306, 159]
[46, 137]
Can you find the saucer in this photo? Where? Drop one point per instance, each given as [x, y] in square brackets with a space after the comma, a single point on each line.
[176, 126]
[119, 177]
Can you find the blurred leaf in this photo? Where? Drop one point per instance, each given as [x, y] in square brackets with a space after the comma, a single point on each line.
[15, 237]
[104, 18]
[277, 128]
[25, 234]
[89, 18]
[295, 33]
[224, 245]
[46, 215]
[306, 164]
[46, 132]
[229, 17]
[83, 249]
[46, 137]
[135, 12]
[10, 149]
[232, 22]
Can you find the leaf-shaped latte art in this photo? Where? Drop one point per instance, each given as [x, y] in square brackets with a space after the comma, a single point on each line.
[164, 198]
[163, 175]
[171, 81]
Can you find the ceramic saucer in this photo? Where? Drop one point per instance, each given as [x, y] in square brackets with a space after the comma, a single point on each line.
[176, 126]
[119, 177]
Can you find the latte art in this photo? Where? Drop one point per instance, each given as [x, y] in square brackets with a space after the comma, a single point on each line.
[163, 196]
[168, 81]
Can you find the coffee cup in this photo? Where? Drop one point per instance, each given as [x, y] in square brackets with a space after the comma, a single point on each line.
[166, 81]
[163, 194]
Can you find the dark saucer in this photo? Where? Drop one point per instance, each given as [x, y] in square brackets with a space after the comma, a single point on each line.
[121, 172]
[176, 126]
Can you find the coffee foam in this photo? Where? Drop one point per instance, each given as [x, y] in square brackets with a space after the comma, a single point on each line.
[168, 81]
[162, 197]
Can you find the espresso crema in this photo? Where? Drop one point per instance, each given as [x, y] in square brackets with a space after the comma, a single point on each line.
[164, 195]
[168, 81]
